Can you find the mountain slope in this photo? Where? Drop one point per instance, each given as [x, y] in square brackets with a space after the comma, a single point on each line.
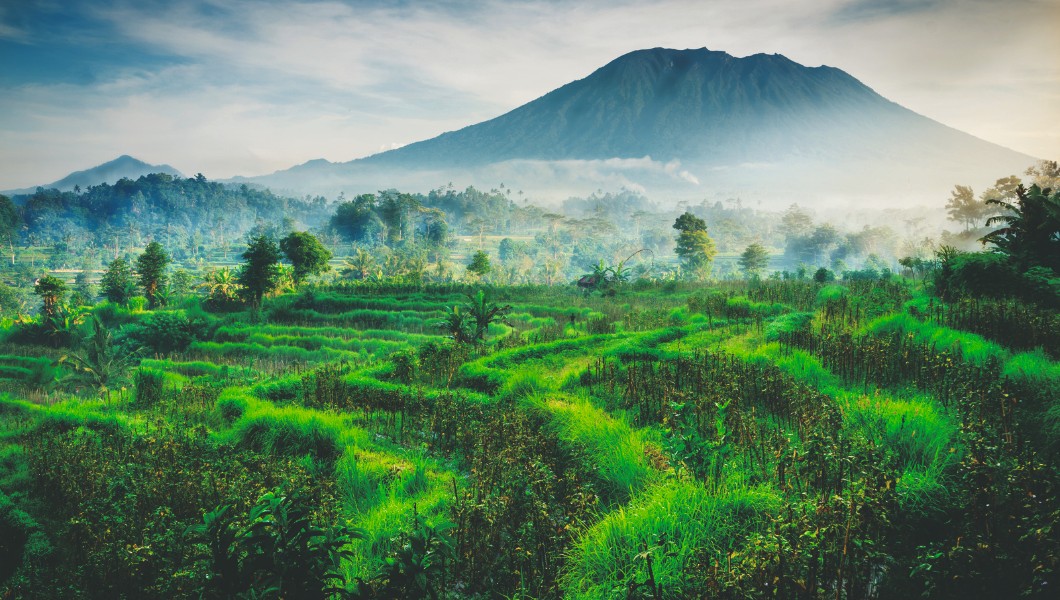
[108, 172]
[707, 120]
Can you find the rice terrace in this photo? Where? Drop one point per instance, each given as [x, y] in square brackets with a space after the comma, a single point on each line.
[692, 325]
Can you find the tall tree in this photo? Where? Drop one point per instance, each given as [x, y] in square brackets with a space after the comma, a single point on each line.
[307, 255]
[754, 260]
[117, 282]
[694, 247]
[479, 265]
[10, 221]
[260, 273]
[1046, 173]
[357, 220]
[151, 268]
[51, 291]
[396, 211]
[796, 222]
[964, 208]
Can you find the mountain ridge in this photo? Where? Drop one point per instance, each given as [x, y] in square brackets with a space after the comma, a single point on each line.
[684, 123]
[108, 172]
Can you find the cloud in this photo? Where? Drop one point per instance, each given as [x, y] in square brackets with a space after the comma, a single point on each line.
[248, 87]
[584, 176]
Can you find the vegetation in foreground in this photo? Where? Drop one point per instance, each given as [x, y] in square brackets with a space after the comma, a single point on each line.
[871, 434]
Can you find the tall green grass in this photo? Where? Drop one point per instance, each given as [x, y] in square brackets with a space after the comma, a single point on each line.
[617, 452]
[679, 521]
[291, 431]
[973, 348]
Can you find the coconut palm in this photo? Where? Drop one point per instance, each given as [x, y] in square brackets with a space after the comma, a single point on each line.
[484, 313]
[221, 286]
[456, 325]
[360, 267]
[99, 362]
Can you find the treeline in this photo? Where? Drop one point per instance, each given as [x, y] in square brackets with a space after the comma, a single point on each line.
[187, 215]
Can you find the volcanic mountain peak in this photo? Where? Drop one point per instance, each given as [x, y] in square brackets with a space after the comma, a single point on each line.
[686, 122]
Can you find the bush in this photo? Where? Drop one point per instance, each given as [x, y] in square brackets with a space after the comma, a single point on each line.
[150, 387]
[137, 304]
[167, 332]
[21, 541]
[823, 275]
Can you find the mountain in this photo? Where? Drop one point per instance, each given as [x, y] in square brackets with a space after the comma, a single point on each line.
[688, 123]
[108, 172]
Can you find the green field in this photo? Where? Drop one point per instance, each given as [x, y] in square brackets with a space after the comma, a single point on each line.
[776, 439]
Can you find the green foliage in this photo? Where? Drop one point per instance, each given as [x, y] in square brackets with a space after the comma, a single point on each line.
[100, 362]
[457, 325]
[754, 260]
[151, 269]
[694, 247]
[167, 332]
[1030, 232]
[117, 283]
[291, 432]
[280, 553]
[788, 326]
[617, 451]
[420, 566]
[150, 387]
[51, 290]
[307, 255]
[222, 289]
[773, 438]
[479, 265]
[260, 273]
[689, 520]
[472, 323]
[357, 220]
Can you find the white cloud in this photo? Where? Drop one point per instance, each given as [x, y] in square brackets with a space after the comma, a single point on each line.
[261, 86]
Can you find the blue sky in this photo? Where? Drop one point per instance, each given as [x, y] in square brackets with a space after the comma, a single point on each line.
[246, 87]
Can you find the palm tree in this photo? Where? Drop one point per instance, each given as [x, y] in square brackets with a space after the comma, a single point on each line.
[456, 325]
[483, 313]
[99, 362]
[221, 286]
[360, 267]
[1031, 228]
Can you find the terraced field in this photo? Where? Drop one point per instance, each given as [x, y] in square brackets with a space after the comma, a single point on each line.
[781, 438]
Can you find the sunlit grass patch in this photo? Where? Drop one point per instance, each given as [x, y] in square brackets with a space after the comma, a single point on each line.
[618, 453]
[678, 520]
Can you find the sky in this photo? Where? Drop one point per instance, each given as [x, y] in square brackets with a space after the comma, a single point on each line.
[248, 87]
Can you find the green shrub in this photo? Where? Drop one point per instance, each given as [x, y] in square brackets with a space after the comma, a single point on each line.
[786, 326]
[231, 405]
[291, 432]
[150, 387]
[165, 332]
[137, 304]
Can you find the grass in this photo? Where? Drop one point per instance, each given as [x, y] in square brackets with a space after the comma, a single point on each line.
[973, 348]
[645, 507]
[616, 451]
[678, 520]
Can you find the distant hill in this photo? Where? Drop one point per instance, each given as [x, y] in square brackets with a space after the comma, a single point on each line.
[685, 124]
[108, 172]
